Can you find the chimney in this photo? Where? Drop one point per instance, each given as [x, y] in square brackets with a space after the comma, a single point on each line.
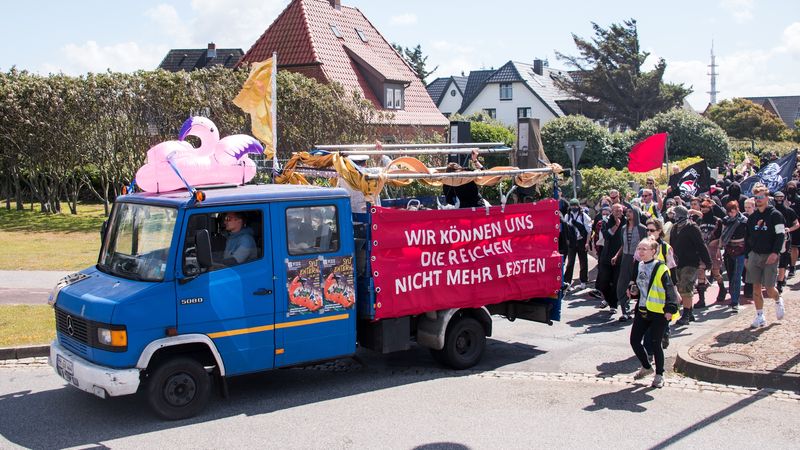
[212, 50]
[538, 67]
[336, 4]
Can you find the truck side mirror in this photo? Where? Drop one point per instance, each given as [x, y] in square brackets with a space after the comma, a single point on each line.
[202, 241]
[103, 229]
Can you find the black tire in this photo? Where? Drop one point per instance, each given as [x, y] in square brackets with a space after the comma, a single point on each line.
[178, 389]
[464, 343]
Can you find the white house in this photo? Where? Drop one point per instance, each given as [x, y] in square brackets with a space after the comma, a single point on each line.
[448, 93]
[514, 90]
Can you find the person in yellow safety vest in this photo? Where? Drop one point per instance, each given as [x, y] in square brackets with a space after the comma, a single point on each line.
[649, 205]
[656, 302]
[666, 255]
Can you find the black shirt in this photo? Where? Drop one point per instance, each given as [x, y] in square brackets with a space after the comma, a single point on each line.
[765, 231]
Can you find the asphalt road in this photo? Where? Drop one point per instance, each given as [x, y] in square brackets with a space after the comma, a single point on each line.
[399, 409]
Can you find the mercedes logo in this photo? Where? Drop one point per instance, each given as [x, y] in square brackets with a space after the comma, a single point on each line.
[70, 328]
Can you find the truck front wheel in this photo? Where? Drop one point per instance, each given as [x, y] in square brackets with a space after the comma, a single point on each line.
[464, 343]
[178, 389]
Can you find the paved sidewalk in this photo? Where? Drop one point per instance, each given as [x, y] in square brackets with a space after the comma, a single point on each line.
[734, 353]
[31, 279]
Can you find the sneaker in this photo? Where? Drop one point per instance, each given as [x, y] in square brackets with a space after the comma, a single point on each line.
[759, 321]
[791, 272]
[603, 304]
[642, 373]
[658, 381]
[665, 342]
[624, 317]
[580, 287]
[735, 309]
[683, 320]
[779, 310]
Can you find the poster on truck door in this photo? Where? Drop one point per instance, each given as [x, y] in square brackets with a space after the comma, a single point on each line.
[302, 284]
[462, 258]
[338, 290]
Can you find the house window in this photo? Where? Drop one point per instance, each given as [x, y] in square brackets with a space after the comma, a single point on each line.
[335, 31]
[505, 91]
[393, 97]
[361, 35]
[491, 112]
[452, 92]
[524, 112]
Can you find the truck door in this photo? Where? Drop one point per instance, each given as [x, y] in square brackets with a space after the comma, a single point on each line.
[314, 285]
[233, 302]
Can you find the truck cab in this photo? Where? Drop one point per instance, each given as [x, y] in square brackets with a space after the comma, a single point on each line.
[153, 313]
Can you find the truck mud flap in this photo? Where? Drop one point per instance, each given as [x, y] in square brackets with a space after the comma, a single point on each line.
[385, 336]
[533, 310]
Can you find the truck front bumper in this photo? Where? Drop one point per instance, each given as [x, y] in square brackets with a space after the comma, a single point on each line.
[86, 376]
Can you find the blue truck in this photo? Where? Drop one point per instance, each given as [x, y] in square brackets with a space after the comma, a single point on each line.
[165, 315]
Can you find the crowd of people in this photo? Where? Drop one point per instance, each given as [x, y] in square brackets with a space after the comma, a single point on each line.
[656, 249]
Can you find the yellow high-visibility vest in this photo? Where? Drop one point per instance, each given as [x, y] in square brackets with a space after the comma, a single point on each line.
[657, 296]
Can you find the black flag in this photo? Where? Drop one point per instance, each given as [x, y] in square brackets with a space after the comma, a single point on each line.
[691, 181]
[774, 175]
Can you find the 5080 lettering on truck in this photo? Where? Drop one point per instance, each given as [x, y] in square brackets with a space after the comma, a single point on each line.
[166, 314]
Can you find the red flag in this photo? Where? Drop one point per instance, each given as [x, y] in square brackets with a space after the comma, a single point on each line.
[648, 154]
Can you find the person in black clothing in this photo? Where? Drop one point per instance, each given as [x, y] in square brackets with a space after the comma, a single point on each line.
[731, 238]
[708, 223]
[793, 201]
[467, 194]
[763, 242]
[580, 227]
[632, 232]
[690, 251]
[735, 193]
[790, 219]
[608, 272]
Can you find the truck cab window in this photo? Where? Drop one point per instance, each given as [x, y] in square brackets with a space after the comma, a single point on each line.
[236, 238]
[312, 229]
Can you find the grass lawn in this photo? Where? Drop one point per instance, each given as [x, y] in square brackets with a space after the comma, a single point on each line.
[34, 241]
[26, 325]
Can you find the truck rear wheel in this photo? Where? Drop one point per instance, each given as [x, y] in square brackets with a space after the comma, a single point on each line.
[178, 389]
[464, 343]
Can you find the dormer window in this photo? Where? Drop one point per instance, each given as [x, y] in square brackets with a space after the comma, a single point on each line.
[393, 96]
[335, 31]
[361, 35]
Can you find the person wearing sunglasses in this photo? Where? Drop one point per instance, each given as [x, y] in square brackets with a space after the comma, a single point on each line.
[763, 242]
[649, 205]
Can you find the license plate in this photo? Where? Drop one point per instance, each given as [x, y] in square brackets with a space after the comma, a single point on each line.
[64, 368]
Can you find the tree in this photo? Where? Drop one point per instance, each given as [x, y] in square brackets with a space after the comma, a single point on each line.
[601, 149]
[610, 82]
[690, 134]
[743, 119]
[416, 60]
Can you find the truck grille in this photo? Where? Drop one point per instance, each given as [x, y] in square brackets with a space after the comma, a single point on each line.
[75, 327]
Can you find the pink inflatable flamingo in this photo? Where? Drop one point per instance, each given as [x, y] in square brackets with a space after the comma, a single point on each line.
[216, 161]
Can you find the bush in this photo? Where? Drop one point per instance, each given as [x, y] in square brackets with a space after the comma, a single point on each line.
[601, 148]
[690, 134]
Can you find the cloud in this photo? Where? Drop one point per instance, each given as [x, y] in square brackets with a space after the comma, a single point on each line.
[404, 19]
[791, 40]
[741, 10]
[228, 24]
[92, 57]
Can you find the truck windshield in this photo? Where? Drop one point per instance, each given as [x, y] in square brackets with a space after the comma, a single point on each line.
[137, 242]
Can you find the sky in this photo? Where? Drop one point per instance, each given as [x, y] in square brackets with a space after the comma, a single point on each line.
[757, 43]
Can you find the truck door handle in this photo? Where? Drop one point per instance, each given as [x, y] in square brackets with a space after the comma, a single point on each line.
[263, 291]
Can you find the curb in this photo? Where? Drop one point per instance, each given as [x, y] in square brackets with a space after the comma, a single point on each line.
[30, 351]
[685, 364]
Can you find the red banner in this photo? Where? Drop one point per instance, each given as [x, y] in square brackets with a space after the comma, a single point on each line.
[430, 260]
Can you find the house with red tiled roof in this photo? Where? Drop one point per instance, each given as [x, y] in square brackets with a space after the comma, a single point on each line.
[328, 41]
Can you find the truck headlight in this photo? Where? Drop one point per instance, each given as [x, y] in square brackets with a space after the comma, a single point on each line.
[112, 338]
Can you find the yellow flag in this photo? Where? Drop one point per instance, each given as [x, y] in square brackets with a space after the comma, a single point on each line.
[257, 98]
